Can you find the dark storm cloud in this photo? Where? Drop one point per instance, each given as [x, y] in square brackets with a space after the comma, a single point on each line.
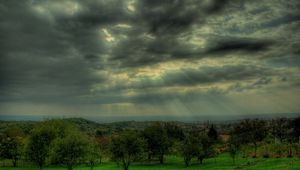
[50, 53]
[216, 6]
[249, 46]
[165, 22]
[176, 16]
[40, 60]
[168, 17]
[22, 31]
[48, 77]
[137, 52]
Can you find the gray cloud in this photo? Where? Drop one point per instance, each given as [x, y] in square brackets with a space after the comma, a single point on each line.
[250, 46]
[98, 51]
[212, 75]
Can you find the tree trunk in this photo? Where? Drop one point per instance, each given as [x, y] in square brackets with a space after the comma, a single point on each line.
[14, 161]
[126, 165]
[290, 151]
[92, 164]
[187, 162]
[149, 156]
[161, 159]
[255, 149]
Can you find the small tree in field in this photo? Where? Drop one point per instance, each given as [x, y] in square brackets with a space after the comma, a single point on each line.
[204, 145]
[70, 150]
[93, 153]
[234, 147]
[158, 142]
[38, 145]
[280, 128]
[127, 148]
[189, 149]
[252, 131]
[212, 134]
[41, 138]
[11, 144]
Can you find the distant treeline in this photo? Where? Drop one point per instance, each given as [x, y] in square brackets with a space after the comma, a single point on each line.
[70, 142]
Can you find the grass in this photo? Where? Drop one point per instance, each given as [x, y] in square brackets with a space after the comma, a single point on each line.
[222, 162]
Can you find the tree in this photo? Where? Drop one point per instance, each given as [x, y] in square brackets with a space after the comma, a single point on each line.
[93, 153]
[158, 142]
[189, 149]
[70, 150]
[205, 147]
[296, 124]
[279, 128]
[234, 146]
[41, 138]
[38, 145]
[212, 134]
[252, 131]
[127, 148]
[11, 144]
[174, 131]
[104, 145]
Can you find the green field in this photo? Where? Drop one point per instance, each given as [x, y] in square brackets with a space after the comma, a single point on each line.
[222, 162]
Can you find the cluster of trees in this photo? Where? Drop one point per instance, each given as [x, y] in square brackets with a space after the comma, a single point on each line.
[281, 131]
[60, 143]
[159, 139]
[51, 142]
[57, 142]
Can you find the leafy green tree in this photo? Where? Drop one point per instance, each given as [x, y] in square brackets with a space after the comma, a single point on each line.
[41, 137]
[204, 144]
[11, 144]
[158, 143]
[104, 145]
[38, 146]
[127, 148]
[174, 131]
[189, 149]
[93, 153]
[70, 150]
[205, 147]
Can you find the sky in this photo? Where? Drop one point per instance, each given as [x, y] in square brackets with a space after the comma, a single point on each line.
[158, 58]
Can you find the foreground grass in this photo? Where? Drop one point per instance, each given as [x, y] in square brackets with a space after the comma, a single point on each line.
[222, 162]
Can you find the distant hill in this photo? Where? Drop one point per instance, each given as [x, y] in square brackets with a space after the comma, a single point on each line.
[92, 127]
[89, 126]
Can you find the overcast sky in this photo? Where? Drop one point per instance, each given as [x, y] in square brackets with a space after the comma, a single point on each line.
[149, 57]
